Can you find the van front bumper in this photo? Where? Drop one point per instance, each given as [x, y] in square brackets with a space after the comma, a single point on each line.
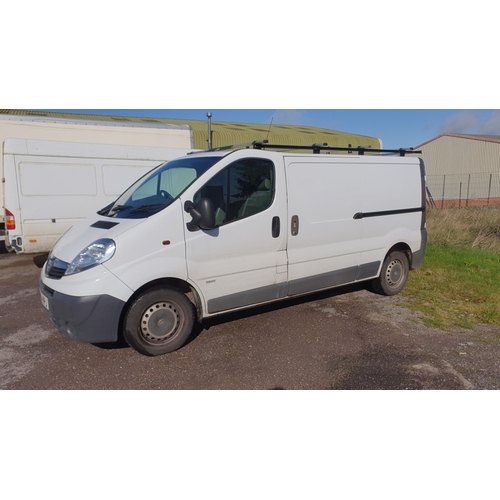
[93, 319]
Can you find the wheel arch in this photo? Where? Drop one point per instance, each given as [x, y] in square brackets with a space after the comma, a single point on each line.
[404, 248]
[180, 285]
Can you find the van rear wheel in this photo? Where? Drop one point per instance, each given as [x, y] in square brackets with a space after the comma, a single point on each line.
[159, 321]
[393, 274]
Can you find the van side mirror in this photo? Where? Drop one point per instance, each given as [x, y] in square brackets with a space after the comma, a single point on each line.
[202, 213]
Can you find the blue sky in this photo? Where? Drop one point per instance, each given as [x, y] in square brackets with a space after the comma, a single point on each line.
[396, 127]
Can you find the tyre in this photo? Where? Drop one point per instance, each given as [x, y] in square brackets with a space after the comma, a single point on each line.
[159, 321]
[393, 274]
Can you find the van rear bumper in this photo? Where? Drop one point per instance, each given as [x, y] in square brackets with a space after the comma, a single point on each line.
[91, 319]
[418, 256]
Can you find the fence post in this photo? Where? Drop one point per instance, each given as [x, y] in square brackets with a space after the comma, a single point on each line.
[468, 188]
[489, 190]
[442, 198]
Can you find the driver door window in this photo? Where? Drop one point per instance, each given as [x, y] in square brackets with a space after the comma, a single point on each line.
[243, 189]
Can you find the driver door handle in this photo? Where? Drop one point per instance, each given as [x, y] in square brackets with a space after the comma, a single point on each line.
[275, 227]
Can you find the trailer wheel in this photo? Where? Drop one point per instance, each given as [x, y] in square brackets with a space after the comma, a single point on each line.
[159, 321]
[393, 274]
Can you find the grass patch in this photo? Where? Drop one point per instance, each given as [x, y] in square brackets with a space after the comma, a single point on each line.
[456, 286]
[459, 282]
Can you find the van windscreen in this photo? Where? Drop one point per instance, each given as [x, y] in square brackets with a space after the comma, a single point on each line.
[159, 188]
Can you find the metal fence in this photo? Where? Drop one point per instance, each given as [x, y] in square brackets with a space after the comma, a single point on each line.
[463, 190]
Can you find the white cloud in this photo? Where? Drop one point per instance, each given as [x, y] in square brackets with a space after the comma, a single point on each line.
[463, 122]
[288, 117]
[491, 125]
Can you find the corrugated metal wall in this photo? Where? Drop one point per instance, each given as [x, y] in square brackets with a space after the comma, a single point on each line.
[450, 154]
[463, 170]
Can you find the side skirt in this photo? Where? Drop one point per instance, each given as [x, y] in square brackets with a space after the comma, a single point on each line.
[295, 287]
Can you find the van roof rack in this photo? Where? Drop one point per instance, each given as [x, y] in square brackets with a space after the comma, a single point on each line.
[317, 148]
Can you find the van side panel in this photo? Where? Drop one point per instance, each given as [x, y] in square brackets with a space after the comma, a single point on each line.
[346, 213]
[57, 192]
[49, 185]
[391, 208]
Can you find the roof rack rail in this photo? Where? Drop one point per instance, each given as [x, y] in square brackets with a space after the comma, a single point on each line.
[317, 148]
[246, 145]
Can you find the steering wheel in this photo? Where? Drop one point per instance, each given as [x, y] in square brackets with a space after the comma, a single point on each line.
[166, 195]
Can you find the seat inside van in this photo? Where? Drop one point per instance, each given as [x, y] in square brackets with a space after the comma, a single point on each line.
[258, 201]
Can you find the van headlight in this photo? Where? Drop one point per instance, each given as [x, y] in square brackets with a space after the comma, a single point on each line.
[94, 254]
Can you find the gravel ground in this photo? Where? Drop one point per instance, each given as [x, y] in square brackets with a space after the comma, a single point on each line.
[348, 338]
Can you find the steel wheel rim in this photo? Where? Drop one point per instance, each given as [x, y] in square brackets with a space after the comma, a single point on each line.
[160, 322]
[395, 273]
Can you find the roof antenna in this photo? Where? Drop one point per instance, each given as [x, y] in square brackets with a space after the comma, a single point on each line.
[269, 130]
[209, 116]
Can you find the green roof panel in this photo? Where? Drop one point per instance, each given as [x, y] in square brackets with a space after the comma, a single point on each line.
[226, 133]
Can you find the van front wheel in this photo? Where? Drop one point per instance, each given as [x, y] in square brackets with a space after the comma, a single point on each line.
[159, 321]
[393, 274]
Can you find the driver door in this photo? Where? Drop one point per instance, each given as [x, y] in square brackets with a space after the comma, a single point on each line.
[242, 261]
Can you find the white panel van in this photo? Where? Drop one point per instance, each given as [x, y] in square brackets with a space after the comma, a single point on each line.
[219, 231]
[50, 185]
[147, 135]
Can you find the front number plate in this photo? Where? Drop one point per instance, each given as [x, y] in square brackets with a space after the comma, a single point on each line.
[45, 301]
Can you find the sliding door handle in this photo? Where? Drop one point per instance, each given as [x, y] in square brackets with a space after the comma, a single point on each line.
[295, 225]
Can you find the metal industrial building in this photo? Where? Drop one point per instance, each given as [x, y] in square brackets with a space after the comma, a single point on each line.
[462, 170]
[164, 132]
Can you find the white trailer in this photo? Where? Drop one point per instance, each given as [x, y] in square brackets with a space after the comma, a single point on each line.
[219, 231]
[48, 186]
[151, 135]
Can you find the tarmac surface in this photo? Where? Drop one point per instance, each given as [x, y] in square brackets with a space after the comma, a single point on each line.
[347, 338]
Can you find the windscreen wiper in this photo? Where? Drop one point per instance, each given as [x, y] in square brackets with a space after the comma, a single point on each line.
[105, 210]
[120, 208]
[145, 208]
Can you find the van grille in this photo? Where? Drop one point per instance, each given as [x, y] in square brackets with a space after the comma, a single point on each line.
[47, 290]
[55, 268]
